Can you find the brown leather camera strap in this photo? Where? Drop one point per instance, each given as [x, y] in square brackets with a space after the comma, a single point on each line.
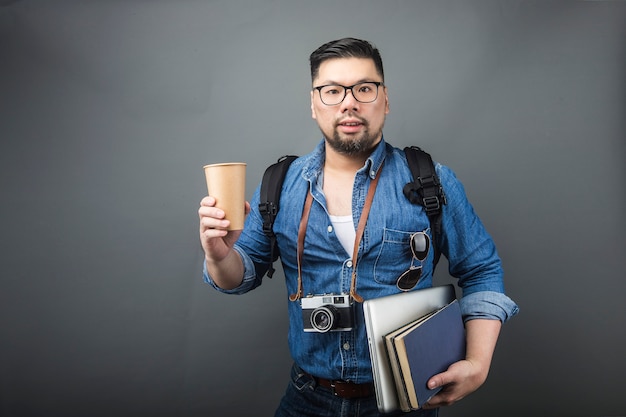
[306, 211]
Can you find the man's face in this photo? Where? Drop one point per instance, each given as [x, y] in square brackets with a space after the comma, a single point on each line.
[350, 127]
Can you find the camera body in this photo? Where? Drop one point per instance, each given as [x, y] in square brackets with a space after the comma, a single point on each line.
[327, 313]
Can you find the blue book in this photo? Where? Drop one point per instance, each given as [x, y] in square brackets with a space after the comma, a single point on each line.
[424, 348]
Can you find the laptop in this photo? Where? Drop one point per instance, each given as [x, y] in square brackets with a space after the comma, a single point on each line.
[384, 315]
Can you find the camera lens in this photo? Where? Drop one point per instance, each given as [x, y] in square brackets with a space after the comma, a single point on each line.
[323, 318]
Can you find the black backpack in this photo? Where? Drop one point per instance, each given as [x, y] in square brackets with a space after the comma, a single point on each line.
[425, 190]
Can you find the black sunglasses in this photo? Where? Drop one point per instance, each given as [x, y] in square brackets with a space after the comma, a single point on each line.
[420, 245]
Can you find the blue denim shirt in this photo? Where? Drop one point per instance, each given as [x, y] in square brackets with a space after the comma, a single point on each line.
[384, 254]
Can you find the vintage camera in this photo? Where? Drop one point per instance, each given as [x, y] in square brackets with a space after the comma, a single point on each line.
[327, 313]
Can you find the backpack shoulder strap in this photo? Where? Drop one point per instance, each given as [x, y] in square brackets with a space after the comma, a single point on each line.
[271, 187]
[426, 189]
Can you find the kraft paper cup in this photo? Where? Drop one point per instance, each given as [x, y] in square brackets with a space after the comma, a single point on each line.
[226, 182]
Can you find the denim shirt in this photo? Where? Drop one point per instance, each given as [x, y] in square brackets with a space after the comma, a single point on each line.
[384, 254]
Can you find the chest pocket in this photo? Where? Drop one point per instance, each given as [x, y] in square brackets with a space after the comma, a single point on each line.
[394, 257]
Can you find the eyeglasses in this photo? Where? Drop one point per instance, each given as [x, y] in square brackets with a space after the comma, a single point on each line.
[420, 245]
[333, 94]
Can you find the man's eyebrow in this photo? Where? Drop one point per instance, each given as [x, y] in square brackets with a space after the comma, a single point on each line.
[362, 80]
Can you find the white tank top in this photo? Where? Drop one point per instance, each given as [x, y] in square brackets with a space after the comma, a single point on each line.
[344, 228]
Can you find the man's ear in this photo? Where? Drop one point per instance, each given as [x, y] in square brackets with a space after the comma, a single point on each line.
[313, 115]
[386, 100]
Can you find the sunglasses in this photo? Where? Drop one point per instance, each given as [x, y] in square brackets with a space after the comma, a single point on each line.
[420, 245]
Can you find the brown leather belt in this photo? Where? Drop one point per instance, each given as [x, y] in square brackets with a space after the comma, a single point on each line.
[345, 389]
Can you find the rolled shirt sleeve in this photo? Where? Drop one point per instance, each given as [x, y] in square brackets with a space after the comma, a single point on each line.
[250, 279]
[488, 305]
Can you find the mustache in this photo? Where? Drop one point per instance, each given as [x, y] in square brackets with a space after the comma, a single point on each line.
[351, 117]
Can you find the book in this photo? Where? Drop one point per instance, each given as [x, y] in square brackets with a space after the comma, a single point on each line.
[423, 348]
[402, 387]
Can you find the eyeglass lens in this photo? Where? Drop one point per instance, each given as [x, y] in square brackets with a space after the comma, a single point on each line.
[409, 279]
[420, 244]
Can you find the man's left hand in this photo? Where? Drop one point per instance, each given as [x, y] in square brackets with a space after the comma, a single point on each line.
[461, 378]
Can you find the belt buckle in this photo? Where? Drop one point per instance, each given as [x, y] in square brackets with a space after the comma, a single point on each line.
[344, 389]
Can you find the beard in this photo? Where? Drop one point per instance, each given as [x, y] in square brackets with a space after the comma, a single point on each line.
[354, 145]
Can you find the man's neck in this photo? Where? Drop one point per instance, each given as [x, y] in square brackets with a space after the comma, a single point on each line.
[339, 172]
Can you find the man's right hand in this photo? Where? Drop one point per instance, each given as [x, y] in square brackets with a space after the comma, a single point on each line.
[223, 264]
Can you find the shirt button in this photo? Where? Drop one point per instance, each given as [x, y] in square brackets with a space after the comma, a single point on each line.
[349, 264]
[330, 229]
[346, 346]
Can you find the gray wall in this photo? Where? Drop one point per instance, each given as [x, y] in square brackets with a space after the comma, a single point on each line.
[109, 110]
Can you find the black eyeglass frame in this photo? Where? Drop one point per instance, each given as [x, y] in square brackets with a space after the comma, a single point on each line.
[345, 91]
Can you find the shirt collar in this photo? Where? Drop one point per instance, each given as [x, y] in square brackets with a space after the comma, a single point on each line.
[372, 165]
[376, 159]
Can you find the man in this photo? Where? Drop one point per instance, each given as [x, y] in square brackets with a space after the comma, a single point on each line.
[354, 178]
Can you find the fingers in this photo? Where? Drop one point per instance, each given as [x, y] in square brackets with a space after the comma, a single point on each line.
[212, 222]
[456, 383]
[438, 380]
[212, 217]
[207, 201]
[445, 396]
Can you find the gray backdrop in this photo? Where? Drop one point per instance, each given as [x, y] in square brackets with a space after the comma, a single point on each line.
[109, 110]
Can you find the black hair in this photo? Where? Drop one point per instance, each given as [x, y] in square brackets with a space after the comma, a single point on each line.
[345, 48]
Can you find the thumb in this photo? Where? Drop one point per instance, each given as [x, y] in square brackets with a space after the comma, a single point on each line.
[438, 380]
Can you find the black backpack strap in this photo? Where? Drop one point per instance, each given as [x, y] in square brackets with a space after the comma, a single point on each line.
[426, 189]
[271, 186]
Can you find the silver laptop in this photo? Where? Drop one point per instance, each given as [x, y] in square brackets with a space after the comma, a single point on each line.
[385, 314]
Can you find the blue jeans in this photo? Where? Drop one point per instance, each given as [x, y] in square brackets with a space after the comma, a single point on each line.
[304, 398]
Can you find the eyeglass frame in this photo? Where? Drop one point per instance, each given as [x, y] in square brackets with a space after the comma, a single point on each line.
[345, 91]
[417, 269]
